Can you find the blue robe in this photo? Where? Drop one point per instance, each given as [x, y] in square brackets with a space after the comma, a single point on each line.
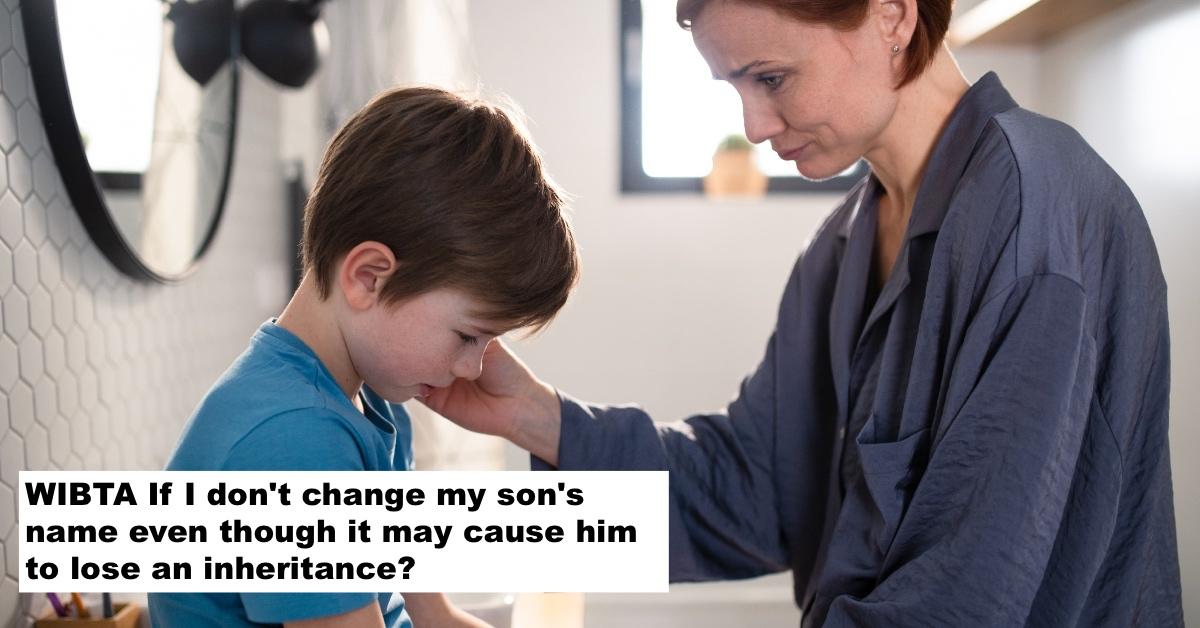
[981, 443]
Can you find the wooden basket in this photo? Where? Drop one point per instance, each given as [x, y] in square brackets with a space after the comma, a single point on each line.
[124, 616]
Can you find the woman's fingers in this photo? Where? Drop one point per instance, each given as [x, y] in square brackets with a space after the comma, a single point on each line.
[505, 393]
[471, 407]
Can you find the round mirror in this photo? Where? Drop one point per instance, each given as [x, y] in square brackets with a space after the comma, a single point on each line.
[143, 143]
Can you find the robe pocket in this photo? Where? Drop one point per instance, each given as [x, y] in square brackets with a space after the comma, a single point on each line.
[891, 471]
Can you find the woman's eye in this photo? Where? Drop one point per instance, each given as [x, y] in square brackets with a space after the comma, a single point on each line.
[470, 340]
[771, 81]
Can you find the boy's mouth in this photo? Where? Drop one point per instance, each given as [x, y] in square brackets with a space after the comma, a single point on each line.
[425, 390]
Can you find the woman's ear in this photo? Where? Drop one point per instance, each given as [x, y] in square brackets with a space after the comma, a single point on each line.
[363, 273]
[897, 21]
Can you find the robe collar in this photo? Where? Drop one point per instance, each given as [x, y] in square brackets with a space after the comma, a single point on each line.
[951, 154]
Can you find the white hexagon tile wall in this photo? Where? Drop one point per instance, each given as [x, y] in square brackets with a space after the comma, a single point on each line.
[98, 371]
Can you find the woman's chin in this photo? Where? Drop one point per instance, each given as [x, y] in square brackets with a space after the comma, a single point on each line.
[821, 169]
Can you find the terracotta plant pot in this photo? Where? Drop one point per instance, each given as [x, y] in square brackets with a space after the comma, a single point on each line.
[734, 174]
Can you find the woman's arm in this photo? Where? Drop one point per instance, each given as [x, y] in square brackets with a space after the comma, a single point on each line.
[724, 510]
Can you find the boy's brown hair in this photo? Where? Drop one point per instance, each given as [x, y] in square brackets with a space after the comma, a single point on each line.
[458, 193]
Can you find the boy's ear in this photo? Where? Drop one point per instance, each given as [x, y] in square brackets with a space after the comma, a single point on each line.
[363, 273]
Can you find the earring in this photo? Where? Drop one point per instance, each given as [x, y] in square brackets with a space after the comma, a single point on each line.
[895, 49]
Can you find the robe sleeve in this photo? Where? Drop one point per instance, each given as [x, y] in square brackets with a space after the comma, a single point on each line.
[973, 545]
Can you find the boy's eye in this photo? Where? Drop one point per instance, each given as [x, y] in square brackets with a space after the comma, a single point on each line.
[470, 340]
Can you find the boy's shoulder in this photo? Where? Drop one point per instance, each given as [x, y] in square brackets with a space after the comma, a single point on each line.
[273, 389]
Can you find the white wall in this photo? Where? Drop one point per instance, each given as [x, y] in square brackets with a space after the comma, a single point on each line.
[1017, 66]
[1129, 84]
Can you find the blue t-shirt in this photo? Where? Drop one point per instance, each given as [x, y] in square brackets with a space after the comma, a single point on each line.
[278, 408]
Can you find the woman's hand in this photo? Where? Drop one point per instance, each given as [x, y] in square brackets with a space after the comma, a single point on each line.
[507, 400]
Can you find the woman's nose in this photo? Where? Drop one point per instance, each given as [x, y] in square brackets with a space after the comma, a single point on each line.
[762, 122]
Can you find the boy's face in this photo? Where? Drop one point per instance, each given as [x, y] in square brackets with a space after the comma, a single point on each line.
[426, 341]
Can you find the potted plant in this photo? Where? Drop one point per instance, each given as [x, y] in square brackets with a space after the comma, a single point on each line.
[734, 171]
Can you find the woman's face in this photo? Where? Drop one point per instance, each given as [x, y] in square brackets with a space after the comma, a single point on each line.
[820, 96]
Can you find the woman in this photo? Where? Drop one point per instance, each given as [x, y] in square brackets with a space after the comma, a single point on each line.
[961, 417]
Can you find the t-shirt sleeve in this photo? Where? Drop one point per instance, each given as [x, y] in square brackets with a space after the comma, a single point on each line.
[301, 440]
[305, 440]
[276, 608]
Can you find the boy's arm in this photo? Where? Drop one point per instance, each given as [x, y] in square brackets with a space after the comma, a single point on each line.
[302, 440]
[316, 441]
[366, 616]
[434, 610]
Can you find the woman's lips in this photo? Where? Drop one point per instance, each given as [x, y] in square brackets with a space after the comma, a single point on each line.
[793, 153]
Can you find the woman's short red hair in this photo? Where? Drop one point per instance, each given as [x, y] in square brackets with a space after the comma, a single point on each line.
[933, 18]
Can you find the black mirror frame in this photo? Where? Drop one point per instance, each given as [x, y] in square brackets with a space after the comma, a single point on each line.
[62, 131]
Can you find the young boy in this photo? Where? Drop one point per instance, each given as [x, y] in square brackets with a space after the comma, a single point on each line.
[431, 230]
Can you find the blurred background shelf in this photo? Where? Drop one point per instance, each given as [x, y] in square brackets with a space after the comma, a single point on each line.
[1023, 21]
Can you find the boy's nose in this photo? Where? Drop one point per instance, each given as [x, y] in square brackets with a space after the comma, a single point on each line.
[469, 367]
